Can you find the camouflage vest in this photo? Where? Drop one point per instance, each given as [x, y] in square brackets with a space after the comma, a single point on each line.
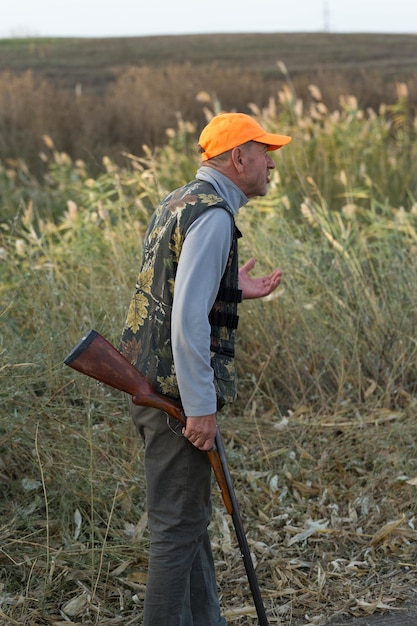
[146, 339]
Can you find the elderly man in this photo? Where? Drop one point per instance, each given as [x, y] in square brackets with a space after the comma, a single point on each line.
[180, 333]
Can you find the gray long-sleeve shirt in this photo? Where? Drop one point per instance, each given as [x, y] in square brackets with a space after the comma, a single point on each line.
[201, 266]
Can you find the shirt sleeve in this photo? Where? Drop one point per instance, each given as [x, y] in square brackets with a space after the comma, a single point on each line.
[200, 269]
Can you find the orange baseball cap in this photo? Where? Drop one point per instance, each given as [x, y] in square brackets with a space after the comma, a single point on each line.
[229, 130]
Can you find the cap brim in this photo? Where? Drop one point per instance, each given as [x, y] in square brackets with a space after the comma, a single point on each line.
[274, 142]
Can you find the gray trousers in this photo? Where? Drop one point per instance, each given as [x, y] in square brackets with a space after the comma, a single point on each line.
[181, 587]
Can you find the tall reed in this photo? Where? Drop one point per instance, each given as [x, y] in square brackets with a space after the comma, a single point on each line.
[336, 339]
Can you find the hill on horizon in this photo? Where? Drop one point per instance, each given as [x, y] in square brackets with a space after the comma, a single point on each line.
[98, 61]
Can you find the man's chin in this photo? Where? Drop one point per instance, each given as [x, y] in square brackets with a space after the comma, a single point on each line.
[258, 193]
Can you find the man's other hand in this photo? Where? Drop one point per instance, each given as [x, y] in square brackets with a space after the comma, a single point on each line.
[257, 287]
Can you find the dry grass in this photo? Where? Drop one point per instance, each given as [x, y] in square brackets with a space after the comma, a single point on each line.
[334, 499]
[328, 503]
[321, 443]
[100, 97]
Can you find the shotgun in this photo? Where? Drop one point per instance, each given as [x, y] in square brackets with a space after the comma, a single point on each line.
[99, 359]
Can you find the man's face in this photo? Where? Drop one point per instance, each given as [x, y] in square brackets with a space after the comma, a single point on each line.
[257, 162]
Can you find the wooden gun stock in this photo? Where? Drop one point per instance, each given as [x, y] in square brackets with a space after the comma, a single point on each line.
[99, 359]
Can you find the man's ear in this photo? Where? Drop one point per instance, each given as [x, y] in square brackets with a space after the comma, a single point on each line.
[237, 158]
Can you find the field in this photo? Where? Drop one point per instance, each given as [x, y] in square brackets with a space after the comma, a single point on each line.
[97, 61]
[322, 440]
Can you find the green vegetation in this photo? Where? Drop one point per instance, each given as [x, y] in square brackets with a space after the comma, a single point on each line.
[321, 442]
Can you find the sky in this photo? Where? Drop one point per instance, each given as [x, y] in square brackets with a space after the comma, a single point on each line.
[125, 18]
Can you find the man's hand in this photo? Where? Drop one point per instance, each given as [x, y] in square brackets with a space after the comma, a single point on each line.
[201, 431]
[257, 287]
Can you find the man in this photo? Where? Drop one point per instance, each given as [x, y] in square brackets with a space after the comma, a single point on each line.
[180, 333]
